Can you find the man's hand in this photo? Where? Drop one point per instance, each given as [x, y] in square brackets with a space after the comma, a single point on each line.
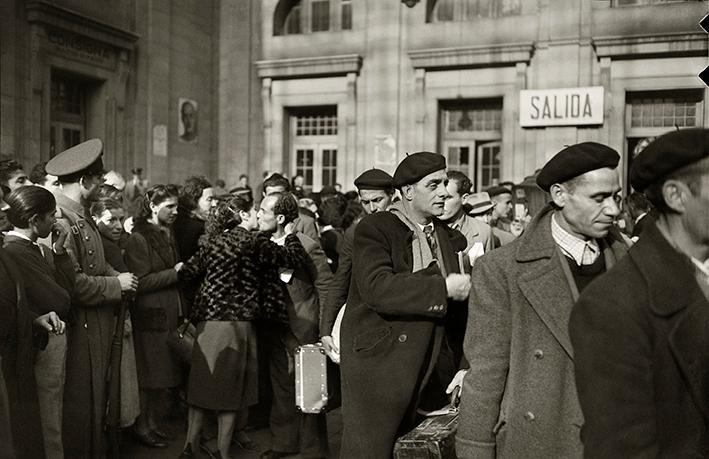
[129, 282]
[458, 286]
[51, 322]
[457, 381]
[59, 236]
[332, 351]
[178, 266]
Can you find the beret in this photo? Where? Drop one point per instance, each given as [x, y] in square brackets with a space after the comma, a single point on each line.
[81, 159]
[328, 190]
[498, 190]
[576, 160]
[668, 153]
[416, 166]
[374, 179]
[478, 203]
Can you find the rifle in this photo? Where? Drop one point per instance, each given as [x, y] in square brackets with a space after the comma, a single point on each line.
[113, 382]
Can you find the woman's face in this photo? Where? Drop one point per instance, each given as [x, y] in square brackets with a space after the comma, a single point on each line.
[205, 202]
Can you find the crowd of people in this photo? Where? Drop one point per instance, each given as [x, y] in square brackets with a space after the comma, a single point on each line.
[578, 331]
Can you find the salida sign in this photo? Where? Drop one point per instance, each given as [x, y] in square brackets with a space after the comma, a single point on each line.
[561, 107]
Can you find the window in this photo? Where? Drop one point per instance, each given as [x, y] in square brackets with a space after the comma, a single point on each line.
[68, 112]
[482, 118]
[293, 17]
[314, 145]
[316, 125]
[329, 167]
[646, 2]
[664, 110]
[467, 10]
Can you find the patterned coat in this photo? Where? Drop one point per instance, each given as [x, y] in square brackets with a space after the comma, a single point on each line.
[238, 270]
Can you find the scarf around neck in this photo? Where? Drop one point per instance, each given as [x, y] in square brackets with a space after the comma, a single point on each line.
[421, 251]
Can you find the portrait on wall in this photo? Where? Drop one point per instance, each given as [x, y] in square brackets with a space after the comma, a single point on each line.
[187, 122]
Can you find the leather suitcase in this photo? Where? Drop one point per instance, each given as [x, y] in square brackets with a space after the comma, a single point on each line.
[311, 393]
[434, 438]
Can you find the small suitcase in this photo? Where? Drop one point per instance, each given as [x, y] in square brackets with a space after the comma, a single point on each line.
[434, 438]
[311, 394]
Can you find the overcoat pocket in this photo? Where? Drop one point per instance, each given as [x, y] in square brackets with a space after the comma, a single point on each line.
[368, 340]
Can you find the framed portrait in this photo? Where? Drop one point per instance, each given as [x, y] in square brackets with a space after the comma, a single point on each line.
[187, 127]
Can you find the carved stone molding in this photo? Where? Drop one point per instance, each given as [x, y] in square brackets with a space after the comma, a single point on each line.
[309, 66]
[642, 46]
[472, 56]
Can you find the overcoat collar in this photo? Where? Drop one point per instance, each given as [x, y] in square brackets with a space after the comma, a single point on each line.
[68, 203]
[542, 278]
[673, 290]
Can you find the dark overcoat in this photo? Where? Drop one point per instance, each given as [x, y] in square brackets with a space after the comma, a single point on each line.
[641, 338]
[519, 396]
[151, 255]
[388, 331]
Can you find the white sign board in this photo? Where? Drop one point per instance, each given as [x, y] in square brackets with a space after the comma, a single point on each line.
[561, 107]
[160, 140]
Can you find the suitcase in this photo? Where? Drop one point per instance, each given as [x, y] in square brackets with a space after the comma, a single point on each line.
[311, 393]
[434, 438]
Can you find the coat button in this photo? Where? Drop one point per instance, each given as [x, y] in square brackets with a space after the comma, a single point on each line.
[529, 416]
[538, 353]
[86, 325]
[87, 238]
[91, 266]
[81, 225]
[91, 252]
[402, 338]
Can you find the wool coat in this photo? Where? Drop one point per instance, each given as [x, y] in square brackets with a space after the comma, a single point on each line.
[151, 255]
[519, 396]
[89, 335]
[391, 332]
[641, 340]
[340, 286]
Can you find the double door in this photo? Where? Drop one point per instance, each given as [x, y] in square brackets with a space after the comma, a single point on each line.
[479, 160]
[317, 163]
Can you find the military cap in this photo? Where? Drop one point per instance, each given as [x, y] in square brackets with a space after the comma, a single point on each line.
[374, 179]
[668, 153]
[416, 166]
[576, 160]
[478, 203]
[77, 161]
[498, 190]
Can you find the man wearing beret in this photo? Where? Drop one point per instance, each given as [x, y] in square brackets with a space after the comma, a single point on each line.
[404, 271]
[98, 289]
[519, 396]
[375, 189]
[640, 332]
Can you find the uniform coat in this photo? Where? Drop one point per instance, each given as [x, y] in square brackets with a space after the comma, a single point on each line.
[151, 255]
[392, 319]
[641, 342]
[89, 335]
[519, 396]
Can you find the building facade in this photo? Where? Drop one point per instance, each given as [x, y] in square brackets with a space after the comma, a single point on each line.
[329, 88]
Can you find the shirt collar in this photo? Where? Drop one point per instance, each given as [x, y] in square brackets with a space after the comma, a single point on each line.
[702, 268]
[573, 246]
[20, 235]
[280, 241]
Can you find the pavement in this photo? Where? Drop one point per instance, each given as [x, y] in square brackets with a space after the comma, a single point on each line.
[262, 437]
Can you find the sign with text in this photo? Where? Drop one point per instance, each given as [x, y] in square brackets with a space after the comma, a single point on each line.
[82, 48]
[561, 107]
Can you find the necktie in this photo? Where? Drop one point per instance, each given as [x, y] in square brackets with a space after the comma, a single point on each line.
[431, 239]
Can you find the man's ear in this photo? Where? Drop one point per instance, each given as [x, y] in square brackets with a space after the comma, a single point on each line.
[407, 192]
[675, 193]
[558, 194]
[280, 219]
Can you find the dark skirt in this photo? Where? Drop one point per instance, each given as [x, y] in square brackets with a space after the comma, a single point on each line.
[224, 372]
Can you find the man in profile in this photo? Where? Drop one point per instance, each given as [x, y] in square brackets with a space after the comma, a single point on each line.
[501, 213]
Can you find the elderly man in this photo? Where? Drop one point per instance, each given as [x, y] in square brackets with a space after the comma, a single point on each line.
[519, 397]
[404, 271]
[98, 289]
[376, 190]
[640, 332]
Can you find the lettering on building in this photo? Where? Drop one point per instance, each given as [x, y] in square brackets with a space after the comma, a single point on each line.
[561, 107]
[81, 47]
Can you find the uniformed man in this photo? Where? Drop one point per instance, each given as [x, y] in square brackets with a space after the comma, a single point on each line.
[376, 190]
[640, 331]
[519, 396]
[98, 290]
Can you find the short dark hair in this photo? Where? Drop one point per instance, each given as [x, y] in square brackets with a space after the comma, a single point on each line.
[99, 207]
[243, 176]
[225, 215]
[462, 181]
[7, 168]
[220, 183]
[27, 201]
[285, 205]
[276, 180]
[637, 204]
[192, 191]
[689, 174]
[155, 195]
[38, 174]
[332, 211]
[109, 191]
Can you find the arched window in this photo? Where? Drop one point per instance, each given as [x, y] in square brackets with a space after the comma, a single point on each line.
[467, 10]
[305, 16]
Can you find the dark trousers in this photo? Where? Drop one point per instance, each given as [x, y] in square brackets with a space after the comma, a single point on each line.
[292, 430]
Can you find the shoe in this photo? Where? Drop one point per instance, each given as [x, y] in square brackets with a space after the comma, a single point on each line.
[160, 435]
[149, 440]
[187, 452]
[212, 454]
[244, 442]
[271, 454]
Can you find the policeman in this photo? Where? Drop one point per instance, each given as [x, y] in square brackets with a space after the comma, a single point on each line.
[98, 289]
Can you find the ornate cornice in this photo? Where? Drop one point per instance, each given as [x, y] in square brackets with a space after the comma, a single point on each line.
[309, 66]
[642, 46]
[472, 56]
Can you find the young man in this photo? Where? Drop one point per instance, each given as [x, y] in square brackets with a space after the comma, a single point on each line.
[304, 223]
[98, 288]
[291, 430]
[404, 271]
[640, 331]
[519, 397]
[376, 190]
[501, 197]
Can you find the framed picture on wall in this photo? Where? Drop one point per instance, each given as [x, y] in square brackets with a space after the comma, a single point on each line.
[187, 128]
